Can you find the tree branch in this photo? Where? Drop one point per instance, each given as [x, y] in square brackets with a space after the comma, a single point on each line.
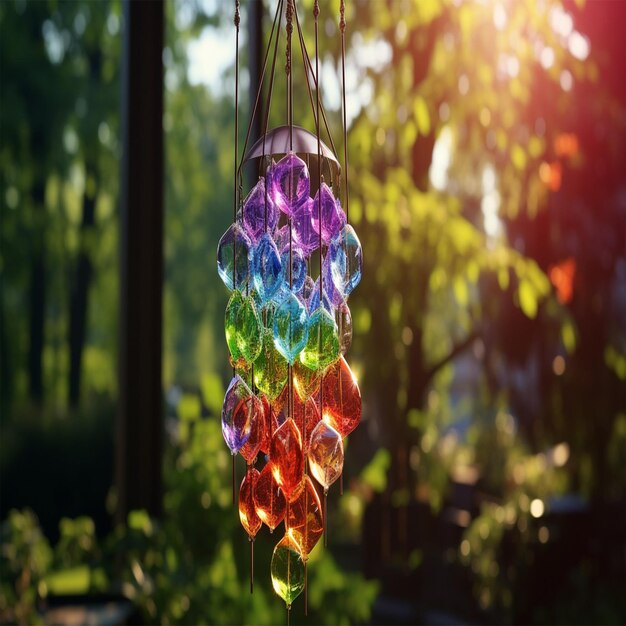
[456, 350]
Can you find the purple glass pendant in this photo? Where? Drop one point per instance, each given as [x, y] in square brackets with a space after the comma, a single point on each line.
[238, 411]
[289, 186]
[333, 217]
[259, 211]
[302, 227]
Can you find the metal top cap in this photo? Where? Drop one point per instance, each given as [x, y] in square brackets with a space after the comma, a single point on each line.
[276, 141]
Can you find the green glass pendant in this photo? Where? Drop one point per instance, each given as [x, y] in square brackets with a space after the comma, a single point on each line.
[243, 328]
[287, 570]
[270, 368]
[230, 328]
[322, 346]
[306, 382]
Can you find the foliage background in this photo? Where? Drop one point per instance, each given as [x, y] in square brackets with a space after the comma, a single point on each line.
[486, 164]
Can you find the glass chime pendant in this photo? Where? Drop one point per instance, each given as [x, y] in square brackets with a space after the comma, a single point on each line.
[247, 511]
[287, 570]
[305, 522]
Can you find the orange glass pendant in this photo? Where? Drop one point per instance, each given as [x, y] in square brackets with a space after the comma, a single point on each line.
[251, 448]
[342, 398]
[305, 522]
[325, 455]
[247, 511]
[305, 413]
[269, 500]
[287, 458]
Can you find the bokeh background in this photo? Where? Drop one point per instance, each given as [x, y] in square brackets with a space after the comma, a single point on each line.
[486, 483]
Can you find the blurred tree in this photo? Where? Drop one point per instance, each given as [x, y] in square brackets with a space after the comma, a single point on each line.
[94, 55]
[31, 151]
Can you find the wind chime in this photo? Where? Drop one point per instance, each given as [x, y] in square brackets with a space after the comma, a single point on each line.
[291, 259]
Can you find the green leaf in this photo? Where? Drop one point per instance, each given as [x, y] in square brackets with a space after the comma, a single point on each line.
[140, 520]
[568, 336]
[422, 116]
[212, 392]
[461, 292]
[375, 472]
[503, 278]
[189, 407]
[527, 299]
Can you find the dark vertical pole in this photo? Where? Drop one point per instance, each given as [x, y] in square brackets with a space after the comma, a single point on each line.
[139, 420]
[254, 11]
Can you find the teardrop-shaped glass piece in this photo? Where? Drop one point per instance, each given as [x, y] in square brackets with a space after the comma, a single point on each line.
[233, 254]
[243, 328]
[342, 398]
[267, 269]
[314, 298]
[287, 458]
[346, 260]
[247, 511]
[325, 454]
[259, 212]
[290, 327]
[251, 448]
[289, 186]
[322, 347]
[302, 227]
[270, 368]
[305, 521]
[230, 328]
[306, 382]
[306, 415]
[269, 499]
[298, 268]
[331, 292]
[287, 570]
[237, 412]
[333, 217]
[281, 237]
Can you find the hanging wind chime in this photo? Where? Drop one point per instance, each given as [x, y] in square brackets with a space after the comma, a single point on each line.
[291, 259]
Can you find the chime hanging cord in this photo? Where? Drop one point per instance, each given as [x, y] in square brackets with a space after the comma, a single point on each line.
[277, 18]
[236, 21]
[342, 28]
[289, 20]
[289, 28]
[308, 71]
[276, 21]
[316, 11]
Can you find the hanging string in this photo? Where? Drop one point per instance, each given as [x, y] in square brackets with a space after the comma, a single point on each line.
[318, 83]
[236, 21]
[289, 17]
[289, 20]
[308, 71]
[261, 83]
[342, 28]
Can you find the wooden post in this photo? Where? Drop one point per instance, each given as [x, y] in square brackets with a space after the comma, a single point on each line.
[139, 428]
